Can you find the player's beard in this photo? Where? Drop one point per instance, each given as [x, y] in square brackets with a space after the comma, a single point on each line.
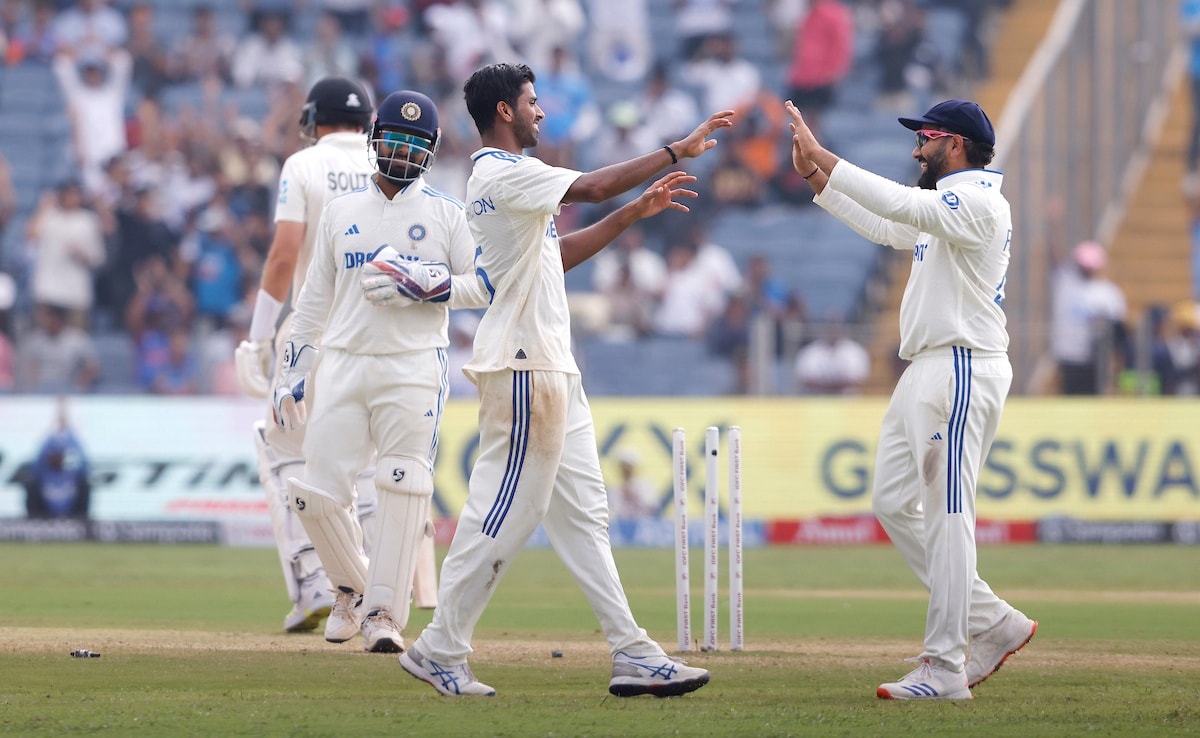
[935, 169]
[527, 135]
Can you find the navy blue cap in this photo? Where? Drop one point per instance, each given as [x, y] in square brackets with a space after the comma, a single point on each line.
[957, 116]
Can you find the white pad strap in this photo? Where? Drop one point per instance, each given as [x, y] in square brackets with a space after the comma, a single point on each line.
[291, 542]
[335, 533]
[405, 487]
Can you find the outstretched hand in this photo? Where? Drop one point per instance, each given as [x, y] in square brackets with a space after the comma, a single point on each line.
[698, 141]
[804, 143]
[661, 195]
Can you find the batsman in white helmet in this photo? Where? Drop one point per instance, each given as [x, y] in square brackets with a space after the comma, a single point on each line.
[334, 121]
[389, 262]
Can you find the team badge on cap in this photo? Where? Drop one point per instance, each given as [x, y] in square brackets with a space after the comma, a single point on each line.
[411, 111]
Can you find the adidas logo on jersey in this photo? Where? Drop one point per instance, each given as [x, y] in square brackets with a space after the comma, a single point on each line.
[521, 354]
[352, 230]
[936, 436]
[429, 413]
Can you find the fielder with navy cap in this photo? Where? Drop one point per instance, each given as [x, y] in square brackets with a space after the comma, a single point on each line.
[946, 407]
[383, 374]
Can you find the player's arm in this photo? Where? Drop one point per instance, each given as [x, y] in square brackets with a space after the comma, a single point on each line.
[583, 244]
[610, 181]
[253, 356]
[467, 289]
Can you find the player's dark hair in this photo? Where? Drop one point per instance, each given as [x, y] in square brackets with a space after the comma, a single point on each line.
[492, 85]
[979, 154]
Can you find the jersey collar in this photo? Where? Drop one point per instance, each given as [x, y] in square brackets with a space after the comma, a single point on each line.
[985, 178]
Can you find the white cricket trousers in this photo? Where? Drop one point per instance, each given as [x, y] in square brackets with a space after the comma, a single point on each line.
[935, 438]
[537, 463]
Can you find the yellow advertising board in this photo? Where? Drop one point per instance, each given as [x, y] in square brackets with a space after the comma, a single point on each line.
[1098, 459]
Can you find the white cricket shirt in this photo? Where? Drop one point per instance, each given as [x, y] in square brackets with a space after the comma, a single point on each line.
[511, 204]
[960, 236]
[336, 164]
[418, 224]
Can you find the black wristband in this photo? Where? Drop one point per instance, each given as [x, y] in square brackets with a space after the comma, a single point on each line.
[814, 171]
[674, 159]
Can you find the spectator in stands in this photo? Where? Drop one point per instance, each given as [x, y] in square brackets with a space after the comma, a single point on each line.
[617, 141]
[771, 299]
[539, 27]
[572, 115]
[247, 167]
[470, 33]
[901, 33]
[733, 184]
[217, 270]
[383, 63]
[632, 277]
[725, 79]
[206, 52]
[834, 363]
[328, 53]
[1189, 16]
[90, 28]
[666, 112]
[1089, 335]
[57, 482]
[267, 56]
[8, 359]
[353, 16]
[690, 300]
[8, 197]
[31, 39]
[68, 250]
[151, 68]
[161, 305]
[696, 21]
[55, 357]
[141, 235]
[619, 38]
[178, 373]
[96, 90]
[1184, 345]
[633, 497]
[729, 338]
[822, 56]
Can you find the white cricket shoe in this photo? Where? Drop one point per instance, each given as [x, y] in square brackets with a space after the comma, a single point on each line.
[989, 650]
[453, 681]
[380, 632]
[927, 682]
[342, 624]
[661, 676]
[316, 600]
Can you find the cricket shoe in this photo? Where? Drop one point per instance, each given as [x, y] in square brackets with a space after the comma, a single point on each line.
[314, 604]
[927, 682]
[380, 632]
[342, 624]
[452, 681]
[661, 676]
[990, 649]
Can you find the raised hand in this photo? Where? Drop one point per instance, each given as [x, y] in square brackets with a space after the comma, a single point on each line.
[661, 195]
[698, 141]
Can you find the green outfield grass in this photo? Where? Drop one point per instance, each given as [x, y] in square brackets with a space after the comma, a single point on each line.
[192, 646]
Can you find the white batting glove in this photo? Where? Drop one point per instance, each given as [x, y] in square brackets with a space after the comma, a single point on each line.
[410, 281]
[252, 359]
[290, 411]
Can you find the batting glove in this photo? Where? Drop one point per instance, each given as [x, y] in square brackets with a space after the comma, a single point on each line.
[290, 412]
[252, 359]
[399, 282]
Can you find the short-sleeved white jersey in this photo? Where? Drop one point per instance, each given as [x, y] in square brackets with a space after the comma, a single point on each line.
[960, 235]
[511, 204]
[336, 164]
[418, 224]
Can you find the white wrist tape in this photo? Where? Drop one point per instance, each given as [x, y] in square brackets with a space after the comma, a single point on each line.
[266, 315]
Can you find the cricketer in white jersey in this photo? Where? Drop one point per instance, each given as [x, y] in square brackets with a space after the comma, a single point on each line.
[335, 117]
[538, 461]
[947, 405]
[383, 371]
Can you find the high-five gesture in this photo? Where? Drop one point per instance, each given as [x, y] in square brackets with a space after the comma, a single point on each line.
[698, 141]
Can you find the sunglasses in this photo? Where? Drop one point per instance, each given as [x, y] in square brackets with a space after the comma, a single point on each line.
[926, 135]
[396, 138]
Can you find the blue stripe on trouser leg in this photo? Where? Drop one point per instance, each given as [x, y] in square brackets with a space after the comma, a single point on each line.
[518, 444]
[956, 431]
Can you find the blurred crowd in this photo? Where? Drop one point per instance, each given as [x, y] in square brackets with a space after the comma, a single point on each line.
[181, 115]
